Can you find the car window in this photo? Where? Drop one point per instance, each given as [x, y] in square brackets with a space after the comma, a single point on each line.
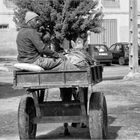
[101, 48]
[112, 48]
[118, 48]
[96, 49]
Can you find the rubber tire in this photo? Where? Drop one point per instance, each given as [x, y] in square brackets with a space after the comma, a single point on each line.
[98, 120]
[121, 61]
[26, 112]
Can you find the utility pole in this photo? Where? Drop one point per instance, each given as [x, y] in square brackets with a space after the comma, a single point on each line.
[133, 40]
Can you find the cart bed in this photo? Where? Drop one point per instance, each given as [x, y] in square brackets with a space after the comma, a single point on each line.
[51, 79]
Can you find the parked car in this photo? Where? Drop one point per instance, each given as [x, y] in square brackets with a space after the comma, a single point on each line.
[100, 53]
[120, 52]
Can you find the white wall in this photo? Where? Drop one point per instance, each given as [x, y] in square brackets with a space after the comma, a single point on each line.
[7, 19]
[123, 28]
[122, 15]
[138, 5]
[6, 15]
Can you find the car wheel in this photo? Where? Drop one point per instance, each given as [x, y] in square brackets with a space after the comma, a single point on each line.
[121, 61]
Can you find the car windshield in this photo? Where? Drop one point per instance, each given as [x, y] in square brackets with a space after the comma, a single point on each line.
[100, 48]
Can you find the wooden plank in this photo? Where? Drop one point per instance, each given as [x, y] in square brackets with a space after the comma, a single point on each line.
[61, 119]
[73, 102]
[52, 79]
[38, 112]
[82, 100]
[94, 75]
[36, 87]
[30, 79]
[77, 77]
[59, 108]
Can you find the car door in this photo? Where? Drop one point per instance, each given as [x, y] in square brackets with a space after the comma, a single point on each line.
[114, 52]
[119, 51]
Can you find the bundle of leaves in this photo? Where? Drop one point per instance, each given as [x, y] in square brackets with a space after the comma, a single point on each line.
[65, 19]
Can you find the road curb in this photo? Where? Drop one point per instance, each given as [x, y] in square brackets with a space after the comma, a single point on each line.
[113, 78]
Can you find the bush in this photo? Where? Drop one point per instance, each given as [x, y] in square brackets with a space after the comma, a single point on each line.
[65, 19]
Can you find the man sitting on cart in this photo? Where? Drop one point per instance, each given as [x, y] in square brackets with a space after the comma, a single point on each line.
[31, 48]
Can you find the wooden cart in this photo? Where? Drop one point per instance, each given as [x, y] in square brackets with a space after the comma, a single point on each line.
[90, 109]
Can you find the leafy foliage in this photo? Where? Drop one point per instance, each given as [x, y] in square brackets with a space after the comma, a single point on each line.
[64, 18]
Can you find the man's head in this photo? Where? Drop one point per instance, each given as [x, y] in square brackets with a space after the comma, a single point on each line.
[32, 19]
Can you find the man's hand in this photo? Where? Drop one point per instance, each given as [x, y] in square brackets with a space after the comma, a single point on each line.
[63, 57]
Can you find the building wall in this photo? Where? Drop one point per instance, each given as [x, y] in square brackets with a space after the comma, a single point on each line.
[122, 26]
[108, 36]
[7, 19]
[7, 35]
[6, 15]
[118, 10]
[113, 9]
[121, 14]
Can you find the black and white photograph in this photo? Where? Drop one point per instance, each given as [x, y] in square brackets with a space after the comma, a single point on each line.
[69, 69]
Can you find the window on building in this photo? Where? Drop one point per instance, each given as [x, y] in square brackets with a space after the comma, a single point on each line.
[111, 3]
[4, 26]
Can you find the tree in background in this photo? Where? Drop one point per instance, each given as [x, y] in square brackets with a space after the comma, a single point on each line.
[63, 19]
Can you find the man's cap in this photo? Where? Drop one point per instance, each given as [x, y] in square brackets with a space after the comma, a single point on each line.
[30, 15]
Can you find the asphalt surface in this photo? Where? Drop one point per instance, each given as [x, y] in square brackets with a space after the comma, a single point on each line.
[123, 102]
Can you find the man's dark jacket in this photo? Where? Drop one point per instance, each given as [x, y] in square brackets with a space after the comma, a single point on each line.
[30, 46]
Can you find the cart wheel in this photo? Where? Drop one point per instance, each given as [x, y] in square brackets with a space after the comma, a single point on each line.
[26, 112]
[98, 116]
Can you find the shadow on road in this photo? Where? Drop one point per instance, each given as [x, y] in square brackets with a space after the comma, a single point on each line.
[58, 133]
[80, 133]
[7, 91]
[112, 130]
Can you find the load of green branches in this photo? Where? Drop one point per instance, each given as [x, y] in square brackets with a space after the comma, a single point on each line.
[65, 19]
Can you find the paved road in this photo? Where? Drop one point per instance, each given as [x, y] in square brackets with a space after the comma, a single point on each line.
[116, 72]
[123, 101]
